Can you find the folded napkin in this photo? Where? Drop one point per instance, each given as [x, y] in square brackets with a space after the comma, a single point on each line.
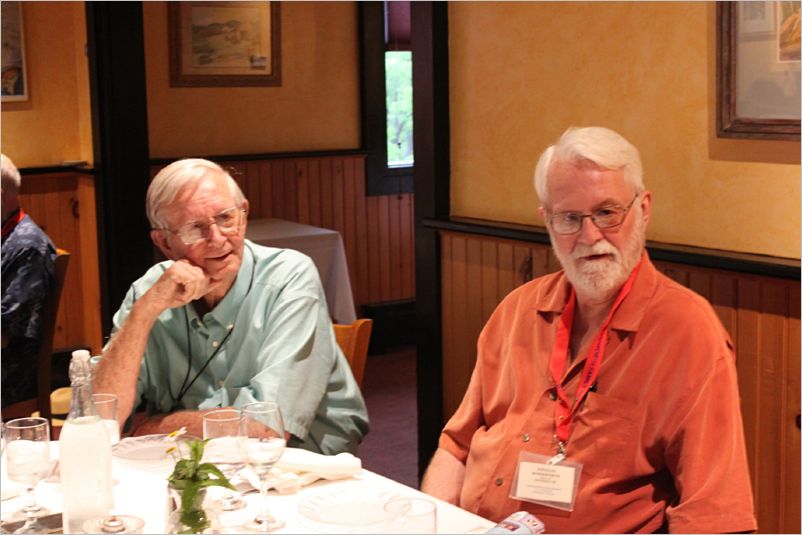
[298, 468]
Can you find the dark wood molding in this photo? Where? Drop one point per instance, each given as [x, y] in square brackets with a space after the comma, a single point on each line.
[432, 199]
[265, 156]
[56, 169]
[116, 52]
[393, 324]
[769, 266]
[728, 124]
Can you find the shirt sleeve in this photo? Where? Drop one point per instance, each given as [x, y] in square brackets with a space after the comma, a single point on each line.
[117, 321]
[25, 295]
[707, 457]
[295, 361]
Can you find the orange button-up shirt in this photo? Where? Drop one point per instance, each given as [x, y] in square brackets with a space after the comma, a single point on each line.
[660, 440]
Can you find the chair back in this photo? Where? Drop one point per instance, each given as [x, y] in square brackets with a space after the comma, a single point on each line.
[354, 339]
[44, 372]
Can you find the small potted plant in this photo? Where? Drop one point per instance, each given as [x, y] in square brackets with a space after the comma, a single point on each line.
[189, 481]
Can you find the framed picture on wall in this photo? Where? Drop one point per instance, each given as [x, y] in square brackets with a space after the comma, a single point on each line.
[224, 44]
[758, 74]
[14, 76]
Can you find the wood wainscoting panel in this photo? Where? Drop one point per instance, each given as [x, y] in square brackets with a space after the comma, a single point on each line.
[63, 205]
[761, 313]
[329, 192]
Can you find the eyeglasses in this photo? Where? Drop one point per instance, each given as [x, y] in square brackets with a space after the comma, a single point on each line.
[227, 221]
[604, 218]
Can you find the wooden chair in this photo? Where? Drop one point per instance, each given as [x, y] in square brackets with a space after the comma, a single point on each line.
[41, 403]
[354, 339]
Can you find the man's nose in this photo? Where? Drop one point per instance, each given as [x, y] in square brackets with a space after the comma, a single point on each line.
[213, 232]
[589, 233]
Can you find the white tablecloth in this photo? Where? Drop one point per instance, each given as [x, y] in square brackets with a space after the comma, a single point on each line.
[324, 247]
[142, 491]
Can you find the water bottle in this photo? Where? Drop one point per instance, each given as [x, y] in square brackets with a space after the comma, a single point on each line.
[86, 483]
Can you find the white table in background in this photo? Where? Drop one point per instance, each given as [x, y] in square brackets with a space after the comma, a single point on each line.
[141, 490]
[325, 248]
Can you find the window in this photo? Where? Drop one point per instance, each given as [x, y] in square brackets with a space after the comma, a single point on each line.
[387, 96]
[398, 86]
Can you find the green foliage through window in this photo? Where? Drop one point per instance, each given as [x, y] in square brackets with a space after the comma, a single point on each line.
[398, 79]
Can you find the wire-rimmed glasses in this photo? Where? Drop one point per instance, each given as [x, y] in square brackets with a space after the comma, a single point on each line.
[227, 221]
[28, 462]
[262, 441]
[605, 218]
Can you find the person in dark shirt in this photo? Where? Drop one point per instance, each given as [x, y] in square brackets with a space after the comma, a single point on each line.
[28, 272]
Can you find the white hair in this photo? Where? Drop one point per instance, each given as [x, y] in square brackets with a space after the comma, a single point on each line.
[602, 146]
[11, 179]
[172, 179]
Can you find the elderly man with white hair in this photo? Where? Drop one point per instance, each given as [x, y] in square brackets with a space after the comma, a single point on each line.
[604, 397]
[28, 272]
[225, 322]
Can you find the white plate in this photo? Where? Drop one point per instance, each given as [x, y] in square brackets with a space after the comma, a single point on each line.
[146, 449]
[353, 510]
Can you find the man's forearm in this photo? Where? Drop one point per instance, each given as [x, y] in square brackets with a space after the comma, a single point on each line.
[167, 423]
[118, 370]
[444, 477]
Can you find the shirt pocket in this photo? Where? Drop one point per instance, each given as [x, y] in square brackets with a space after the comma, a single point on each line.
[605, 438]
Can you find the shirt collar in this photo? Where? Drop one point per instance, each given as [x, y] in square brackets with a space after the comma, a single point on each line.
[629, 315]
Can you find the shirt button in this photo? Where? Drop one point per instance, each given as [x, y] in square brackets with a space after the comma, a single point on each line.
[552, 395]
[562, 418]
[215, 343]
[526, 437]
[498, 481]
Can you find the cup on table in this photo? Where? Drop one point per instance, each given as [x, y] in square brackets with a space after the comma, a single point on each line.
[107, 409]
[411, 515]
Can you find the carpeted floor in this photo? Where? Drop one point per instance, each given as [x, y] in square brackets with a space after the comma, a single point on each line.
[391, 446]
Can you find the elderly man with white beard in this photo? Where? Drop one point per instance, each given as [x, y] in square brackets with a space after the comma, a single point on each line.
[605, 396]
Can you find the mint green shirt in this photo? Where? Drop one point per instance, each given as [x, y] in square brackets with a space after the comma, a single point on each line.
[274, 341]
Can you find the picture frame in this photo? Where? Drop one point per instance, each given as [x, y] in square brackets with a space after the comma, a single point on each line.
[14, 86]
[757, 71]
[224, 44]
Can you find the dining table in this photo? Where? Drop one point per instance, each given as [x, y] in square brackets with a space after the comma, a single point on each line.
[325, 248]
[140, 489]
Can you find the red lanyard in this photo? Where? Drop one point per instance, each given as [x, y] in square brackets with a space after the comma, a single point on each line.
[11, 223]
[564, 410]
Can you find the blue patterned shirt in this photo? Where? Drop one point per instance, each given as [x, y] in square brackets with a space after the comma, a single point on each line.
[28, 271]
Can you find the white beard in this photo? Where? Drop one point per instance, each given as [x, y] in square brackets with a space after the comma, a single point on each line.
[601, 278]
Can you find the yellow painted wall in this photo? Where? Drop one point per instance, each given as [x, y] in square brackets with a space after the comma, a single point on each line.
[54, 125]
[522, 72]
[315, 108]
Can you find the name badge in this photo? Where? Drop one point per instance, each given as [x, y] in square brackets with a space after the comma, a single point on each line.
[549, 481]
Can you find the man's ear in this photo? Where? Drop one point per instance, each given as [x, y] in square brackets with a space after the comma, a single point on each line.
[246, 207]
[646, 206]
[160, 239]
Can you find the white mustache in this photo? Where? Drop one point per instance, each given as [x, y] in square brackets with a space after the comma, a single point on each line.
[600, 247]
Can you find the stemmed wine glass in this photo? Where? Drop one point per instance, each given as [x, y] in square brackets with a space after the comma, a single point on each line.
[222, 428]
[28, 460]
[262, 442]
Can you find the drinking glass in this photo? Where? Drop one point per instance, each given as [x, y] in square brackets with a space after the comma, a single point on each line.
[411, 515]
[262, 442]
[28, 462]
[107, 409]
[221, 429]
